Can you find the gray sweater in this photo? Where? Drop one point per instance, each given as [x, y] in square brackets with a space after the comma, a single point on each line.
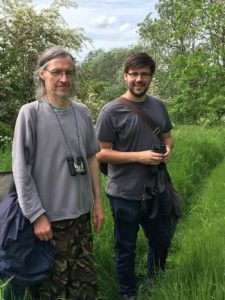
[40, 167]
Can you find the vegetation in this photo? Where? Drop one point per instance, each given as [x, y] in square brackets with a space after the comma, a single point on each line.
[196, 261]
[190, 58]
[24, 33]
[5, 148]
[190, 77]
[100, 77]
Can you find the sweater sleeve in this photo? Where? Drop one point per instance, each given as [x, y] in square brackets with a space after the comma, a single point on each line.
[23, 155]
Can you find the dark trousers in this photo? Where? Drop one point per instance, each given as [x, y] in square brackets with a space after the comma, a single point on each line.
[128, 217]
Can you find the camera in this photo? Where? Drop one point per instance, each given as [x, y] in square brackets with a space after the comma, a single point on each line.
[76, 168]
[159, 148]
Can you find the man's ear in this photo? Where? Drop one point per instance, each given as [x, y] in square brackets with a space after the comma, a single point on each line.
[41, 74]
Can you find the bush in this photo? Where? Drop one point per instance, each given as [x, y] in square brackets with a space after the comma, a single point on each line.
[5, 130]
[6, 134]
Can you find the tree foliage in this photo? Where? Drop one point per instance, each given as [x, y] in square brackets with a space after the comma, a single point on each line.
[100, 78]
[24, 33]
[188, 42]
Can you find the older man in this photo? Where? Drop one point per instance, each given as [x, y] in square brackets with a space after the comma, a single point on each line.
[57, 176]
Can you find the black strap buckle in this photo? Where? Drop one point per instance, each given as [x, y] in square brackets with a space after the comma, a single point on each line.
[157, 130]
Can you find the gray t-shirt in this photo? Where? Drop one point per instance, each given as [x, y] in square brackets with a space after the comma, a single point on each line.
[40, 167]
[128, 132]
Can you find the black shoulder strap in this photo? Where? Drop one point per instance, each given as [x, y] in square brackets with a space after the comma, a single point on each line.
[142, 114]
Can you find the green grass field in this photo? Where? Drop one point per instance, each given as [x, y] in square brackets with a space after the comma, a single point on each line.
[196, 263]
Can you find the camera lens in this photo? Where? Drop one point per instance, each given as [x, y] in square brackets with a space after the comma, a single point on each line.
[156, 148]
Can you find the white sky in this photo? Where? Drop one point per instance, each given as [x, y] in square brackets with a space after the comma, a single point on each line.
[108, 23]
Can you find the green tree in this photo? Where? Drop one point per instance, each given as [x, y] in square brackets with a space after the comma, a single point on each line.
[100, 77]
[187, 41]
[24, 33]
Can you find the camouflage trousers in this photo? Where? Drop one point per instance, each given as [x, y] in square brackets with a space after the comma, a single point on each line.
[74, 275]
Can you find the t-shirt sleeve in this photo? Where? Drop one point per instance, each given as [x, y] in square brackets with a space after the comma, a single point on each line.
[105, 128]
[168, 124]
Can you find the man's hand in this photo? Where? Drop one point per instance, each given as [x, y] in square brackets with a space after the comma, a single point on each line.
[98, 214]
[149, 157]
[168, 141]
[42, 228]
[167, 155]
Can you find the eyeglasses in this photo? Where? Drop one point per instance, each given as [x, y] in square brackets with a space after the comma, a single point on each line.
[143, 75]
[59, 73]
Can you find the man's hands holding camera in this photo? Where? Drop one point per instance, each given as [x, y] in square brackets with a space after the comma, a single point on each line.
[164, 150]
[158, 154]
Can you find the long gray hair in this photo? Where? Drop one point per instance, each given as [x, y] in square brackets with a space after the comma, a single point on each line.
[45, 57]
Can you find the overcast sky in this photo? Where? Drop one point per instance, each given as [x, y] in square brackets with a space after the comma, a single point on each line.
[109, 23]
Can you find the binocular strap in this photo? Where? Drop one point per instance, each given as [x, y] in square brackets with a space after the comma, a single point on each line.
[150, 206]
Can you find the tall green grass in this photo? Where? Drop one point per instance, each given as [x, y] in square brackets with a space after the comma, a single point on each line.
[196, 260]
[199, 270]
[196, 263]
[196, 153]
[6, 158]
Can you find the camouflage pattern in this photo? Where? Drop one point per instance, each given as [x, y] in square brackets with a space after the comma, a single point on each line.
[74, 275]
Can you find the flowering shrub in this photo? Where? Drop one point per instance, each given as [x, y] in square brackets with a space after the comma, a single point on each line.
[5, 141]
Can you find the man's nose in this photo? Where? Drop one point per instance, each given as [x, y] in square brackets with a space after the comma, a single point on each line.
[139, 77]
[63, 77]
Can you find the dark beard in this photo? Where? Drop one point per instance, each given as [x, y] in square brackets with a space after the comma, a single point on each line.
[139, 94]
